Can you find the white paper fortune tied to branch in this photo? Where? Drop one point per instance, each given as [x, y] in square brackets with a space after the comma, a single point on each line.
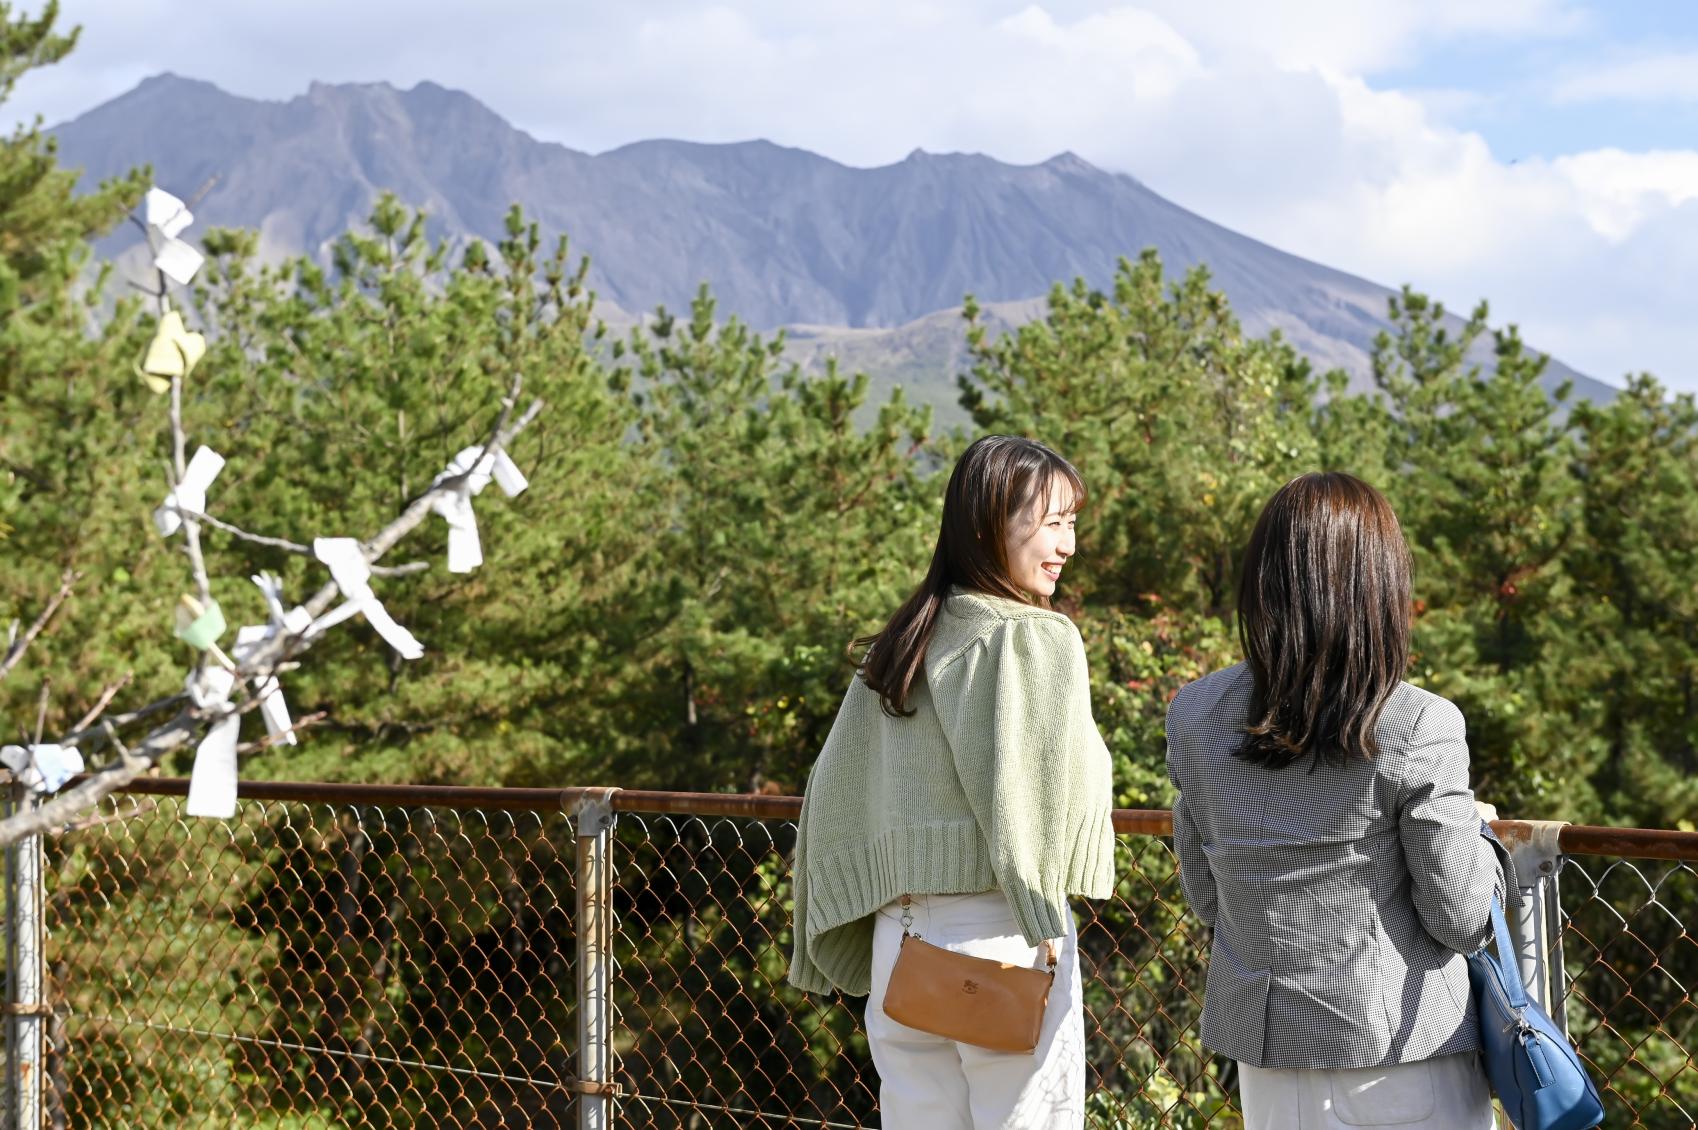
[190, 494]
[465, 551]
[296, 620]
[165, 212]
[169, 216]
[272, 706]
[347, 563]
[42, 768]
[212, 782]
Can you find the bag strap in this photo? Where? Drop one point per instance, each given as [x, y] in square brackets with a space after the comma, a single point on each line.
[909, 932]
[1506, 867]
[1508, 964]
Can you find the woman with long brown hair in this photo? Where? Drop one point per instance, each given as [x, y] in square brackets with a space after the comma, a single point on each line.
[1327, 834]
[964, 792]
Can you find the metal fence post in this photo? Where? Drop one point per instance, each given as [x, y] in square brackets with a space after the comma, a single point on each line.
[596, 1091]
[1538, 932]
[25, 1002]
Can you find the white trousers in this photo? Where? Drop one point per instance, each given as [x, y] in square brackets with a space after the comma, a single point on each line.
[930, 1083]
[1447, 1093]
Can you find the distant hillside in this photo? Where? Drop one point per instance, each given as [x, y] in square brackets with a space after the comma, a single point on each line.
[785, 237]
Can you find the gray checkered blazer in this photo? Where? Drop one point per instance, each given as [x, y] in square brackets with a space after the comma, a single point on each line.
[1341, 900]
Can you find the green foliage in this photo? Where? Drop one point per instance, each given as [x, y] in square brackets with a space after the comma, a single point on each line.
[1181, 426]
[43, 224]
[338, 396]
[708, 527]
[1480, 466]
[1636, 605]
[67, 408]
[770, 529]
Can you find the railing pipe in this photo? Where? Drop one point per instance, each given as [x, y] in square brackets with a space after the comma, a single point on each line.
[1535, 846]
[593, 813]
[26, 1004]
[1574, 839]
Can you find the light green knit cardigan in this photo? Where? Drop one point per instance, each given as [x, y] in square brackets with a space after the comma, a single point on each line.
[998, 780]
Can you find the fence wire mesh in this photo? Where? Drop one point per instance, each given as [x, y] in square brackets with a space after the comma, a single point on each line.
[708, 1034]
[322, 963]
[1632, 964]
[311, 965]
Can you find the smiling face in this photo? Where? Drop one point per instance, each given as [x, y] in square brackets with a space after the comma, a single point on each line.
[1041, 541]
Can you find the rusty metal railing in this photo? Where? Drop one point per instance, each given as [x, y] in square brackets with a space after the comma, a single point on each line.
[391, 955]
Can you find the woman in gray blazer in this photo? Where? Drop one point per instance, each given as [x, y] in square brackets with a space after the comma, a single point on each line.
[1327, 835]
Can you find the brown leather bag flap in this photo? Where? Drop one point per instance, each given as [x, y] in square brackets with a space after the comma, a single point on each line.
[989, 1004]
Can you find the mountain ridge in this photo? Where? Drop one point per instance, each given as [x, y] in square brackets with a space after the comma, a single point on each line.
[784, 236]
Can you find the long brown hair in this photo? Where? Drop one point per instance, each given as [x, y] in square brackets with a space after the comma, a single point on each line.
[996, 483]
[1323, 614]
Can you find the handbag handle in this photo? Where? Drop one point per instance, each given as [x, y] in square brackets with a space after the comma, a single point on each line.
[1508, 966]
[909, 932]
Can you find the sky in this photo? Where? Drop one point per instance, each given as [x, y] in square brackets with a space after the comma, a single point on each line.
[1541, 154]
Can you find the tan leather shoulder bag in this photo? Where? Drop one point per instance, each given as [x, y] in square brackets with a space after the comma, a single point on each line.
[989, 1004]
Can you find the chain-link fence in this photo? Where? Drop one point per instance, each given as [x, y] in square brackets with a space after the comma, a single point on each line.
[391, 956]
[1633, 966]
[312, 963]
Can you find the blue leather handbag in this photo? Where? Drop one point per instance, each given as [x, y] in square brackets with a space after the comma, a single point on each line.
[1534, 1070]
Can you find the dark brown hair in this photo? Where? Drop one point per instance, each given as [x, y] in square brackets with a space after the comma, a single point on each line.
[1323, 613]
[996, 482]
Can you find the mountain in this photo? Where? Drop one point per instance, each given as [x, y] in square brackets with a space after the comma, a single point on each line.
[860, 261]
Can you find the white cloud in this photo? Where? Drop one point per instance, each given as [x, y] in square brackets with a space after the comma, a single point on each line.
[1619, 192]
[1256, 115]
[1152, 57]
[1645, 78]
[1591, 254]
[1357, 36]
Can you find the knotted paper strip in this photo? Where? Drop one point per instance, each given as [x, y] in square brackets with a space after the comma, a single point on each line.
[169, 216]
[165, 212]
[212, 782]
[190, 494]
[347, 563]
[272, 707]
[296, 620]
[465, 550]
[42, 768]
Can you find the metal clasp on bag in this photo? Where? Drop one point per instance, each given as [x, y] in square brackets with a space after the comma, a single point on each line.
[908, 931]
[908, 917]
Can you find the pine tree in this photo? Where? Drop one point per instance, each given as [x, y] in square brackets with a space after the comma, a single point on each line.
[67, 421]
[1180, 424]
[1480, 474]
[775, 530]
[1636, 601]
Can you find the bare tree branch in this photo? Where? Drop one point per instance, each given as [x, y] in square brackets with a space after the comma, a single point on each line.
[82, 734]
[179, 441]
[41, 702]
[106, 695]
[237, 532]
[207, 186]
[143, 806]
[405, 569]
[257, 666]
[96, 787]
[304, 722]
[285, 544]
[15, 651]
